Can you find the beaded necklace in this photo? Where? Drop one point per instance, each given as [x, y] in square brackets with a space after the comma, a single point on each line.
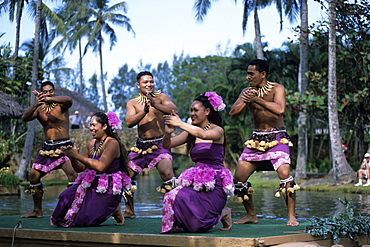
[142, 98]
[207, 126]
[94, 152]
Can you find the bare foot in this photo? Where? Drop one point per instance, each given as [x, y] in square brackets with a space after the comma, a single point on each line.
[129, 215]
[33, 214]
[226, 219]
[247, 219]
[292, 222]
[118, 216]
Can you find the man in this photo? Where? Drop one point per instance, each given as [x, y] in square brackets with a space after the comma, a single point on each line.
[76, 121]
[364, 171]
[146, 111]
[269, 143]
[52, 113]
[87, 121]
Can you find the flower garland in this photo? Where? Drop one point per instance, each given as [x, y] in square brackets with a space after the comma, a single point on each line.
[215, 100]
[113, 120]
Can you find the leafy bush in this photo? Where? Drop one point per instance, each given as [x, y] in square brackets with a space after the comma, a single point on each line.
[8, 179]
[342, 224]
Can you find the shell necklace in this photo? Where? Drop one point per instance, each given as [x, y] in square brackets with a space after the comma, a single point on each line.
[265, 89]
[142, 98]
[48, 107]
[96, 151]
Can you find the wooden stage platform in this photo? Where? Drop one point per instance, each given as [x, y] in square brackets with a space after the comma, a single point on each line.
[145, 231]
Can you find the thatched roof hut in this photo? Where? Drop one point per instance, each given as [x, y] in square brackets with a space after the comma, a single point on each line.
[9, 107]
[79, 103]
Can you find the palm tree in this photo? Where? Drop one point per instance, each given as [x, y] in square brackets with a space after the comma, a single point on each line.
[302, 88]
[15, 10]
[290, 8]
[102, 16]
[75, 15]
[28, 145]
[342, 172]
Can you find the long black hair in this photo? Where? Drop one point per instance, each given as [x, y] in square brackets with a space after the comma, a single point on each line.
[213, 116]
[102, 118]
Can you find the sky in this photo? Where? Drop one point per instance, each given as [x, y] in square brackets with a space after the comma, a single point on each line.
[164, 28]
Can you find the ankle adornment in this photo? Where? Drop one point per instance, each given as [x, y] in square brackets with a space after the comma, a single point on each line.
[242, 190]
[33, 187]
[287, 186]
[167, 185]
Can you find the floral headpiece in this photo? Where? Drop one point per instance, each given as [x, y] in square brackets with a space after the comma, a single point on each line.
[113, 120]
[215, 100]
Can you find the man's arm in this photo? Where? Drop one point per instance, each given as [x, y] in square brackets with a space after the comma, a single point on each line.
[166, 105]
[32, 112]
[133, 117]
[64, 101]
[240, 105]
[278, 105]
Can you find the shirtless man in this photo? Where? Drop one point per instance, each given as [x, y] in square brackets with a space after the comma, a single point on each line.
[52, 112]
[269, 143]
[146, 111]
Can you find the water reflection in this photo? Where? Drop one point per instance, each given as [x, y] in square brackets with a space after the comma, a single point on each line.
[148, 202]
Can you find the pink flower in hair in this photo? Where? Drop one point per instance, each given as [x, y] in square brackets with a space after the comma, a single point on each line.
[215, 100]
[114, 121]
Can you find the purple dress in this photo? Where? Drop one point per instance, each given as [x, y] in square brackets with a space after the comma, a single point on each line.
[93, 198]
[196, 204]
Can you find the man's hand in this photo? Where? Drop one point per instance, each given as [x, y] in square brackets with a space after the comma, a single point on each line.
[39, 97]
[249, 94]
[150, 99]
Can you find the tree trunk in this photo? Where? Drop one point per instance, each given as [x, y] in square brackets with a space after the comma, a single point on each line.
[80, 64]
[18, 29]
[28, 145]
[102, 76]
[302, 88]
[342, 172]
[257, 31]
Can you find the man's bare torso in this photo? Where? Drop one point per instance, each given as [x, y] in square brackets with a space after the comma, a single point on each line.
[262, 117]
[152, 125]
[55, 122]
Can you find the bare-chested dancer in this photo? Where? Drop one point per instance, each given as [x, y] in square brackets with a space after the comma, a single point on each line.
[269, 143]
[52, 112]
[146, 111]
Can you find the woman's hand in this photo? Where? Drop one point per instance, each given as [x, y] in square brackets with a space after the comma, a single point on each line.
[172, 119]
[70, 151]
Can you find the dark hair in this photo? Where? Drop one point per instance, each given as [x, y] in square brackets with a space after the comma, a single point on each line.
[102, 118]
[214, 117]
[261, 65]
[142, 73]
[43, 84]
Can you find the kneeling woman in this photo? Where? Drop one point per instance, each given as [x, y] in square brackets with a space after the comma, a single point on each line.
[197, 204]
[97, 192]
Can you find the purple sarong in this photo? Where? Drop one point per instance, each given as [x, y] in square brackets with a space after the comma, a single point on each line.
[275, 156]
[50, 155]
[196, 205]
[139, 161]
[93, 198]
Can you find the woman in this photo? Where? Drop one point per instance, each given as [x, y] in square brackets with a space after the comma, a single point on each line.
[197, 204]
[97, 192]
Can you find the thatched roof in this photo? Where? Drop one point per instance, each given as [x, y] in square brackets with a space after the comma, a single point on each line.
[9, 108]
[79, 103]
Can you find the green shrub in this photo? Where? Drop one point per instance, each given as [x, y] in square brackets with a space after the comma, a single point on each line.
[9, 180]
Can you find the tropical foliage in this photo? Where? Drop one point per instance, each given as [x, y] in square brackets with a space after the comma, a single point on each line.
[82, 25]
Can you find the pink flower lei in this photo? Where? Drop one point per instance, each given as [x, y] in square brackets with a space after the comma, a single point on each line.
[215, 100]
[114, 121]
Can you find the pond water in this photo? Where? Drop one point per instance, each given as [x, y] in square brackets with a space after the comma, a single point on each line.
[148, 202]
